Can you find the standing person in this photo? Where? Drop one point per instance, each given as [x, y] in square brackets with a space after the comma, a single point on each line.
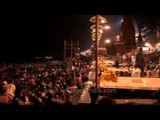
[140, 61]
[91, 75]
[129, 59]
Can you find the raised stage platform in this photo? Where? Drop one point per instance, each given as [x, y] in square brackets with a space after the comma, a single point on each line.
[132, 83]
[142, 94]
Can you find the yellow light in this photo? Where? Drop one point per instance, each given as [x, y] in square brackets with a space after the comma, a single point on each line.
[102, 21]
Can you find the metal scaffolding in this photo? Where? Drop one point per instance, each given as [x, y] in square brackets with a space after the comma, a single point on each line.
[71, 49]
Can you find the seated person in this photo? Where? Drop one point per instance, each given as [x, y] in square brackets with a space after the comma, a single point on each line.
[157, 70]
[136, 72]
[4, 97]
[148, 72]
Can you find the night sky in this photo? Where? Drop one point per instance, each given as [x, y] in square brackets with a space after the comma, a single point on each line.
[29, 34]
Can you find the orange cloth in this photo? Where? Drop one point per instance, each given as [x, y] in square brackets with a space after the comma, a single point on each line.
[109, 76]
[103, 66]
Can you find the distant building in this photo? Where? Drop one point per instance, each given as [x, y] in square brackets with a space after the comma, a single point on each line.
[119, 45]
[125, 41]
[71, 49]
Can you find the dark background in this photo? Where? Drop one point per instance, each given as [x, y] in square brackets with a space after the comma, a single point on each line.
[31, 31]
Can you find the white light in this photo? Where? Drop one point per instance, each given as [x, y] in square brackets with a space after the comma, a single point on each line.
[136, 35]
[92, 46]
[101, 31]
[107, 41]
[106, 27]
[145, 48]
[147, 44]
[121, 20]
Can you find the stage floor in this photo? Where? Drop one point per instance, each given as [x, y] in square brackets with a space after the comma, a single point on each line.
[132, 83]
[136, 101]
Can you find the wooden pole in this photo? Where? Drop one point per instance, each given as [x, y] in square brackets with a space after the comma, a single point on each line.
[96, 51]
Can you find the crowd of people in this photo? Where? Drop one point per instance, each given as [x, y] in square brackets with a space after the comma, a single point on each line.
[41, 83]
[45, 82]
[144, 65]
